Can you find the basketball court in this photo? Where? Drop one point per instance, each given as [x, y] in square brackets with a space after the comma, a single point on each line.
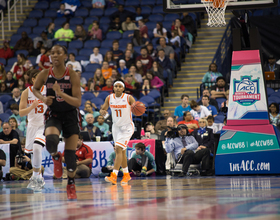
[235, 197]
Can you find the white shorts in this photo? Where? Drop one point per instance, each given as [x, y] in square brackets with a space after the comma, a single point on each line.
[122, 134]
[34, 134]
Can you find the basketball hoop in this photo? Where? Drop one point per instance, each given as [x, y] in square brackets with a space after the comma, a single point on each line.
[216, 12]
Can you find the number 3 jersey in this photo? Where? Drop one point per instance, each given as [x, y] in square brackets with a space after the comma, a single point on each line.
[120, 109]
[36, 116]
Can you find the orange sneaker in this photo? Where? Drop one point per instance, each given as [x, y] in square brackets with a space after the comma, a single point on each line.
[112, 178]
[125, 179]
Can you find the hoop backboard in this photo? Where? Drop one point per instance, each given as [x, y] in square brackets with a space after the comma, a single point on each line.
[177, 6]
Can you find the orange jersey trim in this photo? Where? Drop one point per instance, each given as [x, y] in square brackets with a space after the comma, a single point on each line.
[120, 144]
[27, 150]
[40, 139]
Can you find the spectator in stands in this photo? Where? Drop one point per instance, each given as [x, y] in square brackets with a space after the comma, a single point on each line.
[109, 85]
[199, 111]
[220, 90]
[62, 12]
[179, 110]
[128, 25]
[42, 52]
[84, 155]
[95, 32]
[165, 63]
[169, 51]
[50, 30]
[151, 51]
[138, 40]
[80, 33]
[90, 108]
[134, 54]
[215, 126]
[140, 16]
[37, 49]
[98, 3]
[146, 60]
[140, 69]
[150, 132]
[116, 25]
[10, 82]
[122, 14]
[162, 124]
[14, 124]
[157, 70]
[15, 110]
[25, 43]
[72, 4]
[142, 162]
[128, 86]
[111, 3]
[92, 130]
[10, 136]
[21, 84]
[175, 39]
[2, 162]
[146, 87]
[19, 68]
[212, 109]
[212, 101]
[45, 61]
[117, 53]
[178, 27]
[122, 68]
[27, 81]
[103, 127]
[4, 88]
[15, 99]
[274, 115]
[64, 33]
[170, 123]
[96, 57]
[155, 81]
[3, 75]
[143, 29]
[189, 23]
[115, 75]
[189, 121]
[106, 70]
[136, 77]
[6, 52]
[98, 79]
[272, 66]
[204, 136]
[109, 58]
[76, 64]
[159, 30]
[128, 58]
[47, 43]
[211, 76]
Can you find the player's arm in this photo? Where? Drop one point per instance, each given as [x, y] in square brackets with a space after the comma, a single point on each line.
[40, 81]
[74, 100]
[104, 107]
[23, 110]
[131, 100]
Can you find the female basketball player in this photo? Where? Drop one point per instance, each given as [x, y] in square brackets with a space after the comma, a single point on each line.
[63, 99]
[35, 140]
[123, 128]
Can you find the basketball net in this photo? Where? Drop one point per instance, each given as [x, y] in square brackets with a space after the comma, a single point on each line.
[216, 12]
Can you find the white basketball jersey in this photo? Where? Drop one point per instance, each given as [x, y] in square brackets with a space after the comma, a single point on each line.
[120, 109]
[36, 116]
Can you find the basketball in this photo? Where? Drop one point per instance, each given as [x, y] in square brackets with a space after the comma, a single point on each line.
[138, 108]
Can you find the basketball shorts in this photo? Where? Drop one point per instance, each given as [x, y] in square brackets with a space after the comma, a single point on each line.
[34, 134]
[69, 122]
[122, 134]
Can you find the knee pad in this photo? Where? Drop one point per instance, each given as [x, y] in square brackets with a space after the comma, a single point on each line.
[52, 141]
[70, 160]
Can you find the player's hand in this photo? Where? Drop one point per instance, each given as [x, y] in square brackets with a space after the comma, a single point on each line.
[103, 112]
[56, 87]
[48, 100]
[35, 103]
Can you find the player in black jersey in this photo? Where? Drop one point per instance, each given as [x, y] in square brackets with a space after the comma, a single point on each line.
[63, 100]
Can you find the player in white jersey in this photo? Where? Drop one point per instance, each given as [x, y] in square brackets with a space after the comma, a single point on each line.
[122, 130]
[35, 140]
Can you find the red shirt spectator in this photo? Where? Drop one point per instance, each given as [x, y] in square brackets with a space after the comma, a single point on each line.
[45, 61]
[6, 52]
[143, 29]
[189, 122]
[106, 88]
[19, 71]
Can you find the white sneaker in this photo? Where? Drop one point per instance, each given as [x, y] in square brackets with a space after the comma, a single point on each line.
[40, 182]
[32, 183]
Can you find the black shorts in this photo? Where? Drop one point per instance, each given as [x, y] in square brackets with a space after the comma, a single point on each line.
[69, 122]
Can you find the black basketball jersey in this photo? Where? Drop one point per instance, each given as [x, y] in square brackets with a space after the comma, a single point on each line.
[59, 105]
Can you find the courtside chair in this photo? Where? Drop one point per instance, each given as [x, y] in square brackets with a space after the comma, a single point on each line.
[96, 12]
[30, 22]
[43, 22]
[50, 14]
[91, 44]
[42, 5]
[26, 29]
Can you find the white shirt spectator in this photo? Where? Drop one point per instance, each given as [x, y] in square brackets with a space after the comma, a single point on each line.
[202, 113]
[76, 65]
[156, 32]
[38, 58]
[96, 59]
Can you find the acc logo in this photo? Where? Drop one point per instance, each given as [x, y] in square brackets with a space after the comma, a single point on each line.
[246, 91]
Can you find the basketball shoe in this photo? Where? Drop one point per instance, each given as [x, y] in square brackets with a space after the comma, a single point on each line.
[32, 182]
[112, 178]
[40, 182]
[57, 165]
[71, 192]
[125, 179]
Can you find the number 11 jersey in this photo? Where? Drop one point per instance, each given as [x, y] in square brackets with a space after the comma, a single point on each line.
[36, 116]
[120, 109]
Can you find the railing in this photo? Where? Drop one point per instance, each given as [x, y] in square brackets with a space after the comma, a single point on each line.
[2, 23]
